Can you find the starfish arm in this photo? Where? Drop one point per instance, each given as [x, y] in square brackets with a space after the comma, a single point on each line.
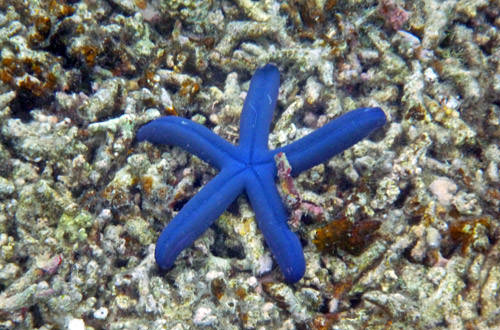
[258, 109]
[190, 136]
[272, 220]
[333, 138]
[197, 215]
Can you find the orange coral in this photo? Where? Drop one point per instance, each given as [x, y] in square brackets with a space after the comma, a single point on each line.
[464, 232]
[27, 75]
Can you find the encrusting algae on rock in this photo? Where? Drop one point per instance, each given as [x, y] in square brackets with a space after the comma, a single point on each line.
[342, 233]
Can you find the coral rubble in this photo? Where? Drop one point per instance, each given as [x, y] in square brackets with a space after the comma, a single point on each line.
[81, 204]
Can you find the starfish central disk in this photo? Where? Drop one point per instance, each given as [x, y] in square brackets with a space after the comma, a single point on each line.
[249, 167]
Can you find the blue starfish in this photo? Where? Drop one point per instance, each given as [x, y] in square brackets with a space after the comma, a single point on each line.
[250, 167]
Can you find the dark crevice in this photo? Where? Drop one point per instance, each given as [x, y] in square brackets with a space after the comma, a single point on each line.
[405, 192]
[221, 249]
[37, 316]
[121, 262]
[26, 101]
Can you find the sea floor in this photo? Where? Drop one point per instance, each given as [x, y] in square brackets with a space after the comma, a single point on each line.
[408, 233]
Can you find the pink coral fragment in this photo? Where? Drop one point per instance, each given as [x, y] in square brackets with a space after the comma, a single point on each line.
[394, 15]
